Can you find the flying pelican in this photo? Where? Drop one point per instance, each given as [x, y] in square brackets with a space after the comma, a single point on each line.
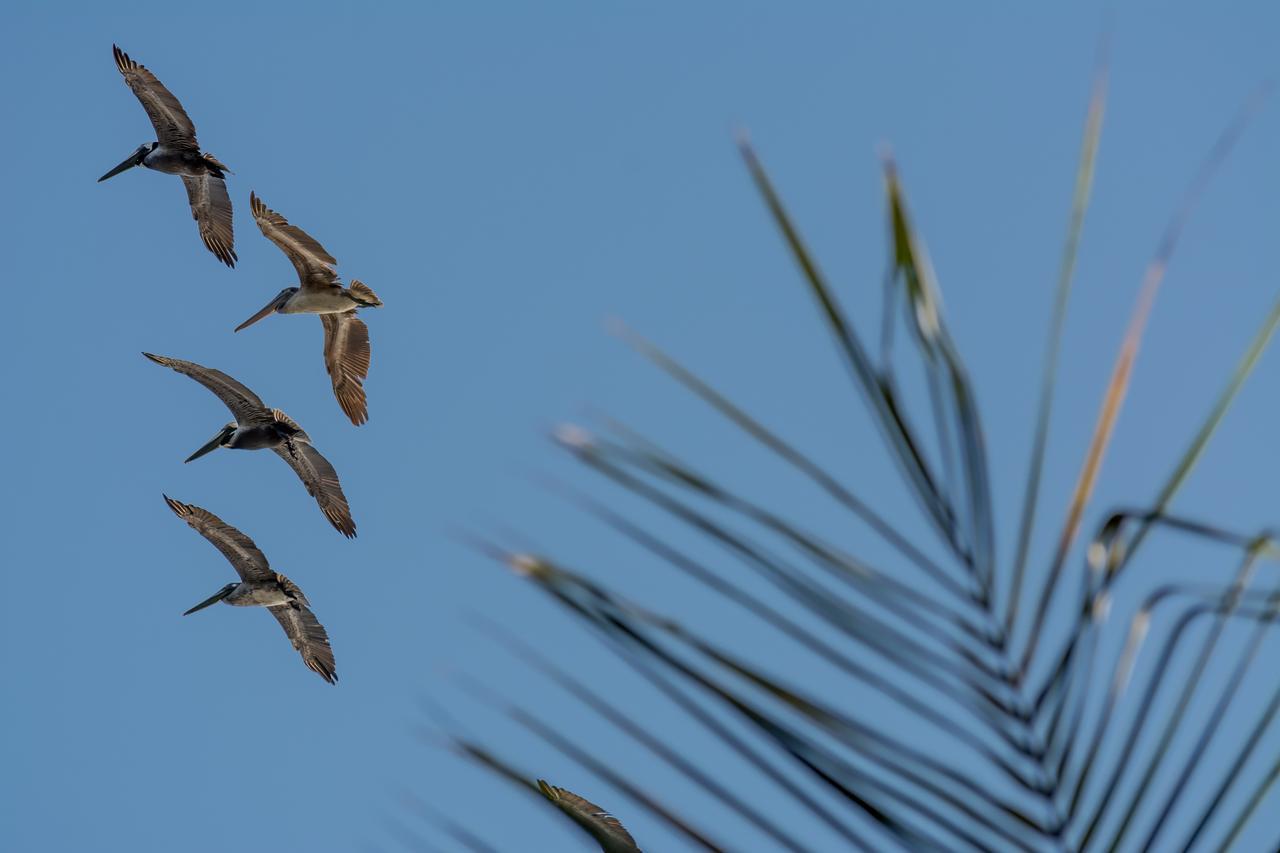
[256, 427]
[606, 829]
[261, 587]
[346, 338]
[177, 153]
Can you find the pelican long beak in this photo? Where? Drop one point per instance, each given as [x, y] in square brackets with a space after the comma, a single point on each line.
[131, 161]
[267, 310]
[213, 599]
[212, 445]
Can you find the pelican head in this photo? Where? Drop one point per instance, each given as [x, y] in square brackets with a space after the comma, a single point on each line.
[277, 303]
[213, 599]
[222, 439]
[134, 159]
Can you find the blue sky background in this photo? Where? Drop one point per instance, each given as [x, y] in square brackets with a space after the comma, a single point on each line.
[506, 179]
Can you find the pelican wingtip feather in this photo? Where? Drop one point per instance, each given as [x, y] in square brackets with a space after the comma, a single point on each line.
[123, 62]
[325, 672]
[179, 508]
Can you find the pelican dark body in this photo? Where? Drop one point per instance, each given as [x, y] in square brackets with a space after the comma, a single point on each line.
[256, 437]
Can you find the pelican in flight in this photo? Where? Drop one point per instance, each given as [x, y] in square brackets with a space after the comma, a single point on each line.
[346, 338]
[256, 427]
[261, 587]
[606, 829]
[176, 152]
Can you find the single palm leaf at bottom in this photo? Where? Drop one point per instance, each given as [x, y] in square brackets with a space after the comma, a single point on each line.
[595, 821]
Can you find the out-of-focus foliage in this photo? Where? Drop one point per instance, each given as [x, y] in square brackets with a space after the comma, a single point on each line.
[1068, 723]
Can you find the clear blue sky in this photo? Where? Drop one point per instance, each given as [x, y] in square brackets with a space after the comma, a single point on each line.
[506, 179]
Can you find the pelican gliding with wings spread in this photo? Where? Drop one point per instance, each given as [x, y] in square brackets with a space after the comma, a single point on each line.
[346, 338]
[259, 586]
[176, 152]
[257, 427]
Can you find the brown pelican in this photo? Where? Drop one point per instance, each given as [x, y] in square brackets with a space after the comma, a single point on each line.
[602, 826]
[256, 427]
[261, 587]
[346, 338]
[176, 152]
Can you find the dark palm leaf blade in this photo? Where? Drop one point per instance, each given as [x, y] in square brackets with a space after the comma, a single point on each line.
[499, 767]
[655, 745]
[1053, 344]
[807, 753]
[793, 457]
[1211, 423]
[1117, 387]
[634, 625]
[795, 583]
[787, 626]
[492, 763]
[643, 453]
[836, 724]
[875, 744]
[852, 621]
[752, 754]
[1246, 814]
[1236, 771]
[1264, 616]
[1211, 727]
[1219, 602]
[880, 589]
[840, 614]
[549, 734]
[1120, 680]
[1109, 569]
[902, 440]
[959, 429]
[1173, 727]
[684, 827]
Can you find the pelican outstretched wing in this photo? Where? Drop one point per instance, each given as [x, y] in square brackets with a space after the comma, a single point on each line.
[211, 209]
[315, 266]
[173, 125]
[321, 481]
[250, 563]
[308, 637]
[602, 826]
[243, 403]
[346, 357]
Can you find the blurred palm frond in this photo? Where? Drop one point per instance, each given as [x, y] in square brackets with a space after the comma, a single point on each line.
[932, 697]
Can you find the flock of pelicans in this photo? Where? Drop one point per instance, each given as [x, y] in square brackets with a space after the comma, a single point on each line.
[257, 427]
